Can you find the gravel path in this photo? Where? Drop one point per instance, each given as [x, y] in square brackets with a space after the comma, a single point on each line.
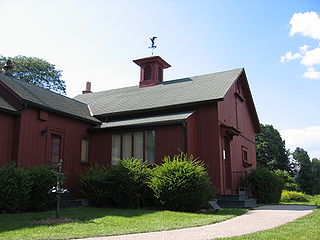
[261, 218]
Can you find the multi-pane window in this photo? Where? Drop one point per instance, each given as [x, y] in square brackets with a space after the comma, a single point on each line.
[84, 151]
[55, 149]
[139, 145]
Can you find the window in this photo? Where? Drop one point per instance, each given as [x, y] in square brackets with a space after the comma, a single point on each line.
[139, 145]
[245, 158]
[147, 72]
[126, 145]
[160, 74]
[84, 151]
[150, 146]
[55, 150]
[116, 148]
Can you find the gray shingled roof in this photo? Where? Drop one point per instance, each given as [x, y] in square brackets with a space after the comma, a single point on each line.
[169, 93]
[153, 120]
[48, 100]
[6, 106]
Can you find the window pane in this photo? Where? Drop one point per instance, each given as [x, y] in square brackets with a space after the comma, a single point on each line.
[126, 145]
[150, 146]
[84, 150]
[116, 145]
[138, 145]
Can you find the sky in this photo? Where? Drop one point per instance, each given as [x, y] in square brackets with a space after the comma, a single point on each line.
[277, 42]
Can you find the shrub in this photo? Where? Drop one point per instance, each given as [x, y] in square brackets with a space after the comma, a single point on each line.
[122, 185]
[181, 183]
[265, 185]
[15, 186]
[94, 185]
[287, 196]
[290, 183]
[317, 200]
[128, 181]
[42, 179]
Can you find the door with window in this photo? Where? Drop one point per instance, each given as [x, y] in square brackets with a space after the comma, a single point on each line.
[55, 148]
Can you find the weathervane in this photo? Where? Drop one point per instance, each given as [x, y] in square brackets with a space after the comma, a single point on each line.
[152, 44]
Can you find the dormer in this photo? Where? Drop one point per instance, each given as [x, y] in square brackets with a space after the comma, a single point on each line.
[151, 72]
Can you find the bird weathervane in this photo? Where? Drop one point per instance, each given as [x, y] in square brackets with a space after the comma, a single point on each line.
[152, 44]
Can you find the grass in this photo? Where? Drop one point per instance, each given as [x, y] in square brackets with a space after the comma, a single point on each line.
[303, 228]
[103, 222]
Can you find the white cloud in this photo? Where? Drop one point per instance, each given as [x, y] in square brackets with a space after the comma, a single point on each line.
[308, 24]
[307, 138]
[311, 57]
[289, 56]
[311, 73]
[303, 48]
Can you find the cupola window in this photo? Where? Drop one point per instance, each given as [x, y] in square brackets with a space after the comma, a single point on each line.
[147, 72]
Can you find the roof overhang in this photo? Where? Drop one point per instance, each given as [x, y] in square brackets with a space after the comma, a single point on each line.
[148, 121]
[157, 59]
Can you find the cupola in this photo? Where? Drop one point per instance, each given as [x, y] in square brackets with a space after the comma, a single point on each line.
[151, 72]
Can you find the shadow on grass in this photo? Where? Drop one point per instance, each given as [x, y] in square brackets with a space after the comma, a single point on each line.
[87, 215]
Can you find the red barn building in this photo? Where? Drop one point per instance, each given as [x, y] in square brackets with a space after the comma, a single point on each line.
[211, 116]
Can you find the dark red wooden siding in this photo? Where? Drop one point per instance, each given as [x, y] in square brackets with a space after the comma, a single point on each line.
[7, 123]
[33, 147]
[203, 139]
[234, 112]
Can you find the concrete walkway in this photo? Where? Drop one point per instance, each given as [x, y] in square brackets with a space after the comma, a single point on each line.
[261, 218]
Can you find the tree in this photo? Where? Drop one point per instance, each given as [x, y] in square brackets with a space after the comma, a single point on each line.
[316, 175]
[305, 174]
[271, 151]
[36, 71]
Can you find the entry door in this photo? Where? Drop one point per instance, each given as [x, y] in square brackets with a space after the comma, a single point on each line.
[55, 149]
[227, 163]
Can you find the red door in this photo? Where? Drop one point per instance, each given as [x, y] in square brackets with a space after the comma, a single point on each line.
[55, 150]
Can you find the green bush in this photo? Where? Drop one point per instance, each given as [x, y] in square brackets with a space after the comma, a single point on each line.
[122, 185]
[95, 186]
[128, 181]
[265, 185]
[290, 183]
[288, 196]
[181, 183]
[317, 200]
[25, 189]
[15, 186]
[42, 179]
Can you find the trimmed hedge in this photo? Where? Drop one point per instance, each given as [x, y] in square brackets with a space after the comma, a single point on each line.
[265, 185]
[42, 179]
[25, 189]
[288, 196]
[95, 186]
[122, 185]
[181, 183]
[15, 186]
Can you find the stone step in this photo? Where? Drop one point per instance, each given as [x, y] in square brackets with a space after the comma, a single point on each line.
[69, 201]
[248, 203]
[234, 197]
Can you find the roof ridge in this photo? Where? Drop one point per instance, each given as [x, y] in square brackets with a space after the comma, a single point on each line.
[164, 82]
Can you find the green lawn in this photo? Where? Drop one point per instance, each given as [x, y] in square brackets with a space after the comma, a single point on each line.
[102, 222]
[307, 227]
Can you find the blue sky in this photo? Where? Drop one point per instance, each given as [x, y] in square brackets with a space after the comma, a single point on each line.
[97, 40]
